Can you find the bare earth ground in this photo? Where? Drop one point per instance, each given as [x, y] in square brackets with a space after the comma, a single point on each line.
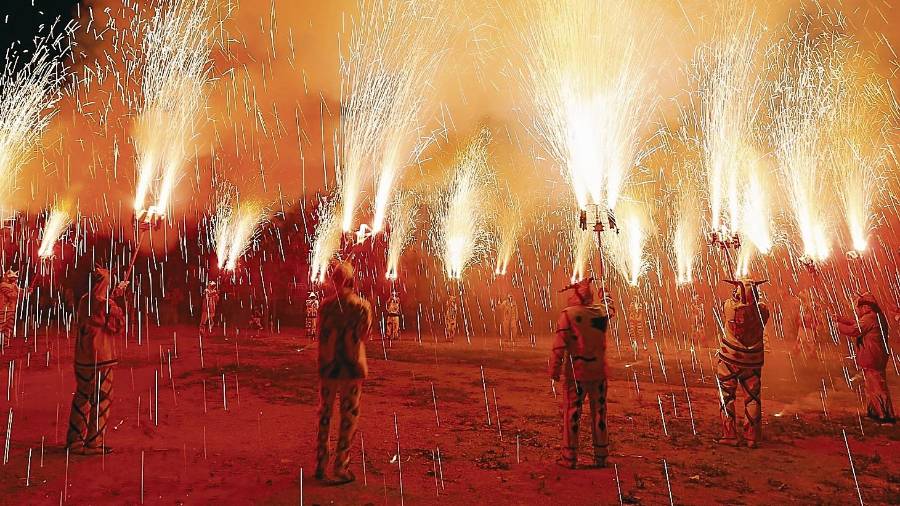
[254, 442]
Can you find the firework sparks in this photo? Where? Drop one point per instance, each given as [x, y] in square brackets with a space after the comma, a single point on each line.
[327, 242]
[393, 51]
[461, 214]
[27, 100]
[58, 221]
[626, 249]
[583, 71]
[236, 224]
[403, 225]
[803, 106]
[685, 233]
[176, 52]
[583, 243]
[509, 227]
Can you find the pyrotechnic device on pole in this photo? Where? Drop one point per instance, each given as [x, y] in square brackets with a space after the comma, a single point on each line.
[145, 220]
[602, 220]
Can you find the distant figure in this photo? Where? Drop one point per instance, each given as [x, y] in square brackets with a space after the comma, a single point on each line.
[100, 323]
[208, 308]
[257, 319]
[741, 354]
[869, 328]
[636, 322]
[699, 322]
[509, 314]
[579, 356]
[450, 317]
[312, 315]
[392, 322]
[10, 294]
[344, 325]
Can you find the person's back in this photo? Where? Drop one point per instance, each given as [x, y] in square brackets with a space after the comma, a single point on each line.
[585, 343]
[343, 329]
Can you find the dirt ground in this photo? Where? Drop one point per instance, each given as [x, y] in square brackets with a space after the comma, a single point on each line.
[462, 423]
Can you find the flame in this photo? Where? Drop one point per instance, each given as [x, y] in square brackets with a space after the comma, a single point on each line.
[327, 242]
[57, 222]
[462, 212]
[584, 70]
[509, 227]
[403, 225]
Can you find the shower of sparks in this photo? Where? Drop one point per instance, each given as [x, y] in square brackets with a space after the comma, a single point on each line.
[58, 221]
[626, 248]
[403, 225]
[176, 49]
[861, 146]
[236, 225]
[806, 96]
[686, 232]
[584, 71]
[393, 51]
[327, 242]
[461, 215]
[28, 97]
[730, 88]
[583, 244]
[419, 32]
[509, 228]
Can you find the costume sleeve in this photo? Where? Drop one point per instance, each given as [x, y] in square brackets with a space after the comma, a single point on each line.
[847, 326]
[365, 323]
[558, 353]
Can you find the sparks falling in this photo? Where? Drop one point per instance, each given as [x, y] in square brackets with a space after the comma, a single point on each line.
[27, 104]
[584, 74]
[403, 226]
[509, 227]
[461, 215]
[327, 241]
[626, 249]
[58, 221]
[176, 51]
[685, 234]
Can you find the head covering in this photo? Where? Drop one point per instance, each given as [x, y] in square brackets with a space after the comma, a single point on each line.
[100, 279]
[582, 291]
[211, 284]
[342, 275]
[746, 290]
[867, 299]
[11, 274]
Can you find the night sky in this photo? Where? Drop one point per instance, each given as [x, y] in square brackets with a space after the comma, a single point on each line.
[22, 20]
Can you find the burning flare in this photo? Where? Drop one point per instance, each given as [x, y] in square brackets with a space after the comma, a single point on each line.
[58, 221]
[461, 215]
[584, 69]
[236, 225]
[626, 248]
[403, 225]
[176, 52]
[327, 242]
[509, 228]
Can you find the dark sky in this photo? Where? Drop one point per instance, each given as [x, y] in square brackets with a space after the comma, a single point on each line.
[22, 20]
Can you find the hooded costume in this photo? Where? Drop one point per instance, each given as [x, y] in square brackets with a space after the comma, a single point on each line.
[741, 353]
[579, 357]
[10, 293]
[869, 334]
[312, 315]
[101, 322]
[208, 308]
[392, 322]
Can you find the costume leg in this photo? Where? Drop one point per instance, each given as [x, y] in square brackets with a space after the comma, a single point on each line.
[101, 401]
[81, 404]
[727, 378]
[751, 383]
[573, 401]
[350, 394]
[327, 392]
[878, 398]
[597, 392]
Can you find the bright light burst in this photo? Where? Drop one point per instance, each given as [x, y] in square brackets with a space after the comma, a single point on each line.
[236, 224]
[461, 216]
[626, 248]
[807, 94]
[176, 50]
[58, 221]
[686, 231]
[585, 72]
[730, 89]
[327, 242]
[583, 244]
[403, 225]
[509, 228]
[393, 51]
[28, 97]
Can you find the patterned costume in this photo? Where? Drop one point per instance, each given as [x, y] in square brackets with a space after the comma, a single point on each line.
[100, 323]
[510, 314]
[579, 356]
[392, 323]
[312, 315]
[450, 324]
[344, 325]
[10, 293]
[741, 354]
[870, 332]
[699, 323]
[208, 308]
[636, 320]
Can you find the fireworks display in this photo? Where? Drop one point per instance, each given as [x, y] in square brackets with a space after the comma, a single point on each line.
[176, 50]
[461, 215]
[431, 182]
